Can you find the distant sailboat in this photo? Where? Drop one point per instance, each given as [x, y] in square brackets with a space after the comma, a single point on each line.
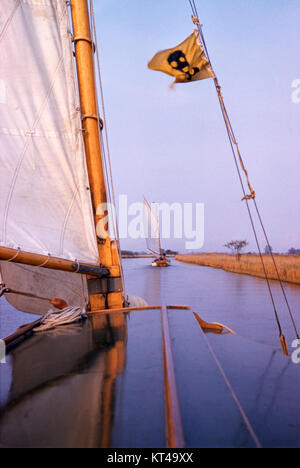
[153, 238]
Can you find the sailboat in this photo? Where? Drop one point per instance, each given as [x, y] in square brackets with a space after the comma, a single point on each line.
[55, 245]
[153, 237]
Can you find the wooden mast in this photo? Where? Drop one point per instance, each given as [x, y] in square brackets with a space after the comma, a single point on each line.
[84, 51]
[158, 227]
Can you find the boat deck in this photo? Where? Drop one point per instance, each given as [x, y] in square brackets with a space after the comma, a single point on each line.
[102, 384]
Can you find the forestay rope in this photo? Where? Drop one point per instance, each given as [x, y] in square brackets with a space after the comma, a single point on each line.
[247, 197]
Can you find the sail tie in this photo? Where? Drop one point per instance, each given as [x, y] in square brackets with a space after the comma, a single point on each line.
[45, 262]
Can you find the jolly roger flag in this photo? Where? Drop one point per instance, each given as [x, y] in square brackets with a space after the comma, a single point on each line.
[187, 62]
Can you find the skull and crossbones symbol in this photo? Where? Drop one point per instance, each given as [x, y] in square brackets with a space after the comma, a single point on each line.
[178, 61]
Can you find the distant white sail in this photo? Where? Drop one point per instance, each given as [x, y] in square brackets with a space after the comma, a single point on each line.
[152, 233]
[45, 201]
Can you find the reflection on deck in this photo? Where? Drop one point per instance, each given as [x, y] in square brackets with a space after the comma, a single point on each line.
[102, 384]
[65, 386]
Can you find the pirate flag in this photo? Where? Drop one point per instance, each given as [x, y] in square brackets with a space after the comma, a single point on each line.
[187, 62]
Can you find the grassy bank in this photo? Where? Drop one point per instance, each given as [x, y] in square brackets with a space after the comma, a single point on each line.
[137, 255]
[141, 256]
[288, 265]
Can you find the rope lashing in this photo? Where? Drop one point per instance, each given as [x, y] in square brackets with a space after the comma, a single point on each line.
[45, 262]
[196, 21]
[15, 256]
[77, 267]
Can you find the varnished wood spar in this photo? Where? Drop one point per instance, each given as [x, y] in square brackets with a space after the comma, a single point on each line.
[174, 428]
[20, 334]
[52, 263]
[84, 52]
[136, 309]
[124, 309]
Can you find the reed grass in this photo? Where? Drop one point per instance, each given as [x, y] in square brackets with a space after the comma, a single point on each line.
[288, 265]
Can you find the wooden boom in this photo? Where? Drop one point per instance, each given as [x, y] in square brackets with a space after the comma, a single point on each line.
[26, 258]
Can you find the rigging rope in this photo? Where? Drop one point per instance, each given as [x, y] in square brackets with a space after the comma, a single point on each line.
[247, 197]
[59, 318]
[234, 395]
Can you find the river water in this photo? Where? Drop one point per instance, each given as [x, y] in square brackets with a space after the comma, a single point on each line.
[239, 301]
[41, 372]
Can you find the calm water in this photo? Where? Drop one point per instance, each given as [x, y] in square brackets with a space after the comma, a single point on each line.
[241, 302]
[120, 360]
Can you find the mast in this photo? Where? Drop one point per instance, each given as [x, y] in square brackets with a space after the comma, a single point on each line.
[107, 295]
[159, 240]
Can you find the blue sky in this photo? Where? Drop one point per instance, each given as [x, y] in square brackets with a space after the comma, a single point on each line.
[172, 145]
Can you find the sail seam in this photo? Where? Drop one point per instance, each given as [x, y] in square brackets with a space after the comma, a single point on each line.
[62, 237]
[23, 154]
[9, 20]
[28, 137]
[15, 132]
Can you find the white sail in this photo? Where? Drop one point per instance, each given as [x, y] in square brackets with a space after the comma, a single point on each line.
[152, 233]
[31, 288]
[45, 201]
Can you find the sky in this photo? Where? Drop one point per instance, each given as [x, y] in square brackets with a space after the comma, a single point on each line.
[172, 146]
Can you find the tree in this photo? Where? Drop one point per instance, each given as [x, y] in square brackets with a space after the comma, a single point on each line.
[171, 252]
[268, 250]
[236, 247]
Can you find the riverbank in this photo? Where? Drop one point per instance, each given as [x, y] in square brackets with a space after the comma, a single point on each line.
[137, 255]
[288, 265]
[143, 256]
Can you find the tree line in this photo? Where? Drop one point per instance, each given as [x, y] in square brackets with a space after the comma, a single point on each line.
[237, 246]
